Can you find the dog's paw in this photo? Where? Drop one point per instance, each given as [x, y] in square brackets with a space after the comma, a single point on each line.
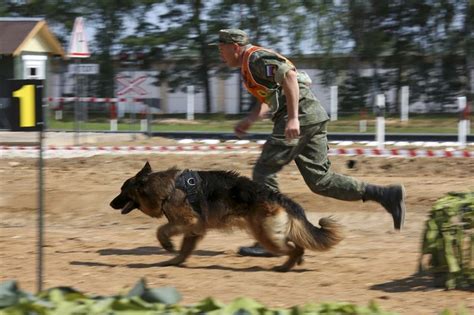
[168, 246]
[172, 262]
[282, 268]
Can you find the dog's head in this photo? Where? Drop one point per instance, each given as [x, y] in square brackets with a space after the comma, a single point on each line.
[128, 199]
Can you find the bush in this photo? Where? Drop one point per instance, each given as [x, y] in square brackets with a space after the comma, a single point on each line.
[143, 300]
[448, 239]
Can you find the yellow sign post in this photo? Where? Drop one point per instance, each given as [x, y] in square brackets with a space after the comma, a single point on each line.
[22, 103]
[26, 96]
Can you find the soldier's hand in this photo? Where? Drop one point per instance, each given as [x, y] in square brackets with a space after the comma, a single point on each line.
[242, 126]
[292, 130]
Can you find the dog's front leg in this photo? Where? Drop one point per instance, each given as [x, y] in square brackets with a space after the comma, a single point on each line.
[189, 244]
[164, 234]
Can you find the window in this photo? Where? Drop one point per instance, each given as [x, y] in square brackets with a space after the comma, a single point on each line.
[34, 67]
[32, 72]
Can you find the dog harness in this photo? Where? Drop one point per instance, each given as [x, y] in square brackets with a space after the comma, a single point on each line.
[190, 183]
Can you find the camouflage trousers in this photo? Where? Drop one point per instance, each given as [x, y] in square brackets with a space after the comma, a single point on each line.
[310, 153]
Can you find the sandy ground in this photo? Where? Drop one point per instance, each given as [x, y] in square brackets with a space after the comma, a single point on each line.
[93, 248]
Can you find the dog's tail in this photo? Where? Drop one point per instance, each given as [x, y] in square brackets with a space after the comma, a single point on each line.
[306, 235]
[300, 231]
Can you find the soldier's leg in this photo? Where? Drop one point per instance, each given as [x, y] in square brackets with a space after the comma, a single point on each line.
[276, 153]
[314, 165]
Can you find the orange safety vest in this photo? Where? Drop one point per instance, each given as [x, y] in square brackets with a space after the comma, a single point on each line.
[258, 90]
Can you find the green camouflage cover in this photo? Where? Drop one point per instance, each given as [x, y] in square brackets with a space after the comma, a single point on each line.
[448, 239]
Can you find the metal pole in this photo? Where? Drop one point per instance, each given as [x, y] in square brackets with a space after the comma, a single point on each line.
[76, 104]
[40, 212]
[462, 124]
[380, 121]
[333, 103]
[404, 105]
[148, 119]
[190, 103]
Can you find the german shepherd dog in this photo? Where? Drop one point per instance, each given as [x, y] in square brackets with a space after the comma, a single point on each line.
[226, 200]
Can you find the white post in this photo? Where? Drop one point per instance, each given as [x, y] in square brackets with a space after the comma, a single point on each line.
[190, 103]
[404, 103]
[143, 125]
[363, 120]
[380, 131]
[462, 124]
[362, 125]
[58, 114]
[113, 125]
[333, 102]
[143, 115]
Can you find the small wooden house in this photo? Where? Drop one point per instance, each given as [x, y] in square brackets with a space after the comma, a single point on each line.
[26, 48]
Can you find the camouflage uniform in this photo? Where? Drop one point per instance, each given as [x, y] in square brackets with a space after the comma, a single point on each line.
[263, 72]
[310, 150]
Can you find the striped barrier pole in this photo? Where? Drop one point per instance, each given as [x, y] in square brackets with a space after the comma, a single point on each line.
[223, 149]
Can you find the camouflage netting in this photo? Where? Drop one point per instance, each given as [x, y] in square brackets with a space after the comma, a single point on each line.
[448, 241]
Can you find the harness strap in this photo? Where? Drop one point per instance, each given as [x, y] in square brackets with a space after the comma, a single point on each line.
[190, 183]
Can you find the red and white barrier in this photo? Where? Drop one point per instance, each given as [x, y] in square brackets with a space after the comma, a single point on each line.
[223, 149]
[93, 99]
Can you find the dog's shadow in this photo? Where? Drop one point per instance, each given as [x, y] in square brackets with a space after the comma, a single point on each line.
[245, 269]
[155, 250]
[151, 250]
[214, 267]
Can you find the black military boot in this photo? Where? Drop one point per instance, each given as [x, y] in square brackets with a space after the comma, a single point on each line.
[392, 198]
[256, 251]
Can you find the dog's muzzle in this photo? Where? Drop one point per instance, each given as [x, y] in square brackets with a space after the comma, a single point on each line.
[129, 207]
[124, 204]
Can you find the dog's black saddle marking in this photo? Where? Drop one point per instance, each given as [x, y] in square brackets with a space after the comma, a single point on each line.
[190, 183]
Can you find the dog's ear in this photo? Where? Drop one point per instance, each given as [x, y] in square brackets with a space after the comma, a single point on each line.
[144, 172]
[147, 168]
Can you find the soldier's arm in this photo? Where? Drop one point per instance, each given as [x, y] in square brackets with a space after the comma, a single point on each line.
[291, 89]
[276, 71]
[257, 113]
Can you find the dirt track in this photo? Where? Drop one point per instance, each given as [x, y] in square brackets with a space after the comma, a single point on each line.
[98, 251]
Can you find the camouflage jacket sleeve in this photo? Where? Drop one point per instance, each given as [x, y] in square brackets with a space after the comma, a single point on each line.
[268, 69]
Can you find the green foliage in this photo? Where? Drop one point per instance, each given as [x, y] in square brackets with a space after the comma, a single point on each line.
[425, 43]
[143, 300]
[449, 240]
[60, 14]
[354, 93]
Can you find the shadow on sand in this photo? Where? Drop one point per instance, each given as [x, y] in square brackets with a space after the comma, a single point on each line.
[215, 267]
[417, 282]
[151, 250]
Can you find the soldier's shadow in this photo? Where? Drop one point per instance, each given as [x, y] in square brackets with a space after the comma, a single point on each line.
[414, 283]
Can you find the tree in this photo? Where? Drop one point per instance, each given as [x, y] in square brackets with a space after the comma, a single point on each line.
[353, 92]
[108, 16]
[427, 47]
[179, 40]
[60, 14]
[277, 24]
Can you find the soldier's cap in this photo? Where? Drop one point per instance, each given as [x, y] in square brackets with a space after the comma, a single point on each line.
[232, 36]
